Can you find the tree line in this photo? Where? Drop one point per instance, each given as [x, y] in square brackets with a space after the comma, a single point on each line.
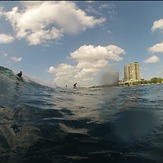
[154, 80]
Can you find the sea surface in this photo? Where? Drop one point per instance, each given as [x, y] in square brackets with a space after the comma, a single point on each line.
[39, 124]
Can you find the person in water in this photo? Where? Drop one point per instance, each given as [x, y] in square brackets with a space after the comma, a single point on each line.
[19, 74]
[75, 85]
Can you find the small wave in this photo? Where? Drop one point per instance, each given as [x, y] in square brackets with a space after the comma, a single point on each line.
[68, 129]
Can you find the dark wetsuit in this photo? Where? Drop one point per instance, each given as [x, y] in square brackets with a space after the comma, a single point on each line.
[19, 74]
[75, 85]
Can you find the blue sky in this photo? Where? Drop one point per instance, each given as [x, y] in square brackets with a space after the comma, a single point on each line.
[66, 42]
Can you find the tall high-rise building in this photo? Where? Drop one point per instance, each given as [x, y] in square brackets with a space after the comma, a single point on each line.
[132, 72]
[127, 72]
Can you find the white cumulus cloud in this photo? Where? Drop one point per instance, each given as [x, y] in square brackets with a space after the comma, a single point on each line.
[51, 69]
[157, 25]
[92, 53]
[64, 74]
[90, 61]
[86, 73]
[94, 64]
[158, 48]
[152, 59]
[39, 22]
[5, 39]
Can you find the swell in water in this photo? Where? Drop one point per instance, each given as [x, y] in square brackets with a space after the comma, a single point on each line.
[39, 124]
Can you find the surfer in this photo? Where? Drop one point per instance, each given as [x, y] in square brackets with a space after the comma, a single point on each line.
[75, 85]
[19, 74]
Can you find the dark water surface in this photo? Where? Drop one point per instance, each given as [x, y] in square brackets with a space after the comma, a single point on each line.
[45, 125]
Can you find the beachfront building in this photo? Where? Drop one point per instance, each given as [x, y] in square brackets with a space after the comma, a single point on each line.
[132, 72]
[127, 72]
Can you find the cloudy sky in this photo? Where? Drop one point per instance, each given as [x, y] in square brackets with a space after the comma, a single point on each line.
[66, 42]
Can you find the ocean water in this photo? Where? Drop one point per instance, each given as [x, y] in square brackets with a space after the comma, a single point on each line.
[39, 124]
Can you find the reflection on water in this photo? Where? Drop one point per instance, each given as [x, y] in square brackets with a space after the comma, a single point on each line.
[45, 125]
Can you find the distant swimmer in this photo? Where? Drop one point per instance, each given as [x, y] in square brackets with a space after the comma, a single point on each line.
[74, 86]
[19, 74]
